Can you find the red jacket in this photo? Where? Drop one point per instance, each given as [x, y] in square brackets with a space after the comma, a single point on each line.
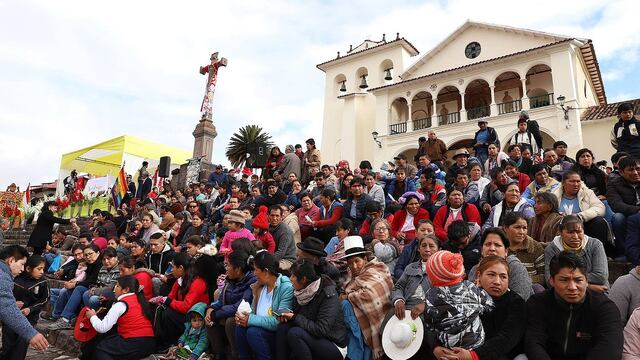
[470, 214]
[335, 216]
[523, 181]
[401, 215]
[133, 323]
[145, 280]
[365, 228]
[197, 293]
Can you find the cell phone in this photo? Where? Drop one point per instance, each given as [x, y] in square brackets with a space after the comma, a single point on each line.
[279, 312]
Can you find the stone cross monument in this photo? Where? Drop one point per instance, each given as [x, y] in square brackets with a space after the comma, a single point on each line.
[205, 131]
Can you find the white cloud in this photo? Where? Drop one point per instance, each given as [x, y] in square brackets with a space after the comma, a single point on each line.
[74, 73]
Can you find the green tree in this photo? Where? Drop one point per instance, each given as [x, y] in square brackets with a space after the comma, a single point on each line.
[237, 149]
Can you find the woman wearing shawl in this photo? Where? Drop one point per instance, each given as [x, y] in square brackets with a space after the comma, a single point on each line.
[366, 294]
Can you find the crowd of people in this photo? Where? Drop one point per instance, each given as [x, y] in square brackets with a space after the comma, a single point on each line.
[499, 255]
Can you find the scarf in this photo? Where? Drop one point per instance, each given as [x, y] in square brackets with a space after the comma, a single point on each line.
[336, 257]
[305, 295]
[451, 218]
[369, 293]
[566, 246]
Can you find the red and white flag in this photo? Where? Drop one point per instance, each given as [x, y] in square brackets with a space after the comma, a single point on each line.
[26, 196]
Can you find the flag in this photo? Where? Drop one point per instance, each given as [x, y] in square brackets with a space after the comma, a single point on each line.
[26, 197]
[119, 189]
[156, 180]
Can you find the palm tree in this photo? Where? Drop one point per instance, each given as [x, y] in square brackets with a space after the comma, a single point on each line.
[238, 145]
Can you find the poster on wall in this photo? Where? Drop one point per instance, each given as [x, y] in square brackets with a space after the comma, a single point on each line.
[193, 171]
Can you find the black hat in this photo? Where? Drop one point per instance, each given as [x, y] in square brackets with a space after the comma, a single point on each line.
[313, 246]
[400, 157]
[626, 106]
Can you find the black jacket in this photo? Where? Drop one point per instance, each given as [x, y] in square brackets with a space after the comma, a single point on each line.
[160, 262]
[470, 254]
[504, 328]
[593, 177]
[91, 277]
[34, 293]
[360, 213]
[625, 136]
[41, 235]
[322, 316]
[69, 270]
[622, 197]
[557, 330]
[491, 138]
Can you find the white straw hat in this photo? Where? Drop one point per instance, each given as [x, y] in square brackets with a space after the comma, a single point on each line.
[401, 339]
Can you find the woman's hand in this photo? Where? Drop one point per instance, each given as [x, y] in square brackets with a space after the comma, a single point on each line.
[442, 353]
[401, 236]
[242, 320]
[207, 317]
[19, 304]
[26, 311]
[462, 354]
[69, 285]
[89, 313]
[400, 309]
[285, 317]
[417, 310]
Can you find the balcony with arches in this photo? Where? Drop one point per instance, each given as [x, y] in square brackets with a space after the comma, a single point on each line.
[501, 94]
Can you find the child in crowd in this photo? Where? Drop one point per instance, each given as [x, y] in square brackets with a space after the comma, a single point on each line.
[462, 242]
[32, 293]
[264, 239]
[193, 342]
[236, 230]
[123, 246]
[454, 305]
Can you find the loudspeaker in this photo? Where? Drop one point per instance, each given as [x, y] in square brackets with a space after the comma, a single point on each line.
[164, 168]
[257, 155]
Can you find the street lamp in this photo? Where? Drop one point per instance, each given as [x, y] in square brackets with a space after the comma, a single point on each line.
[375, 138]
[566, 109]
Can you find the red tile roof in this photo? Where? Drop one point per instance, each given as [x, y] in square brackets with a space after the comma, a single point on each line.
[607, 110]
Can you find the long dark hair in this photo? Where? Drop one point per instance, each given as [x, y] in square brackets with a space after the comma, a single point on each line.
[131, 283]
[207, 268]
[184, 260]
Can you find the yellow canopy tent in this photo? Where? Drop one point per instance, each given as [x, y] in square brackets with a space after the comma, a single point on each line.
[106, 158]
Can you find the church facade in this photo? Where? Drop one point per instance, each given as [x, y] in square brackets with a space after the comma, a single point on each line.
[382, 96]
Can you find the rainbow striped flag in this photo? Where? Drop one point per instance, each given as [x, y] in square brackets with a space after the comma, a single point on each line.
[119, 189]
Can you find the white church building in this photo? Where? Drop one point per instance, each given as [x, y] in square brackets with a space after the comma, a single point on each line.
[380, 96]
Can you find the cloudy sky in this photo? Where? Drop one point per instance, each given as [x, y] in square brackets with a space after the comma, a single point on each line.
[74, 73]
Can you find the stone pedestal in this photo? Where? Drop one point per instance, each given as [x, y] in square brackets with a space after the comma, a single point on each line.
[204, 134]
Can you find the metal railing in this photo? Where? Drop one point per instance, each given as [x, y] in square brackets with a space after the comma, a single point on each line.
[540, 101]
[509, 107]
[478, 112]
[419, 124]
[400, 128]
[450, 118]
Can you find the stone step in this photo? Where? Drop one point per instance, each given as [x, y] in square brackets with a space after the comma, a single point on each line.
[61, 339]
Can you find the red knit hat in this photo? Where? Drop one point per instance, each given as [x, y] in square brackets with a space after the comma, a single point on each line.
[260, 221]
[445, 268]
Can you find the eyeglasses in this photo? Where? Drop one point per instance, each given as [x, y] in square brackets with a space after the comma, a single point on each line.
[381, 229]
[193, 206]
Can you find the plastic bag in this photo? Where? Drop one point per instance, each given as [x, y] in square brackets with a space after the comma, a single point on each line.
[55, 264]
[244, 307]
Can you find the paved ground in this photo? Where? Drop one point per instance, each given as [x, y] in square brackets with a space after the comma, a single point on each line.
[52, 353]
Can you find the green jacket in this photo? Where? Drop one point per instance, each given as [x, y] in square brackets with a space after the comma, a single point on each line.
[282, 298]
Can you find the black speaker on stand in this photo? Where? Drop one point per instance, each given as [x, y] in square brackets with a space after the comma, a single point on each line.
[164, 168]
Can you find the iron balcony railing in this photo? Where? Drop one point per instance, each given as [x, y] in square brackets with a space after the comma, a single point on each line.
[540, 101]
[509, 107]
[400, 128]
